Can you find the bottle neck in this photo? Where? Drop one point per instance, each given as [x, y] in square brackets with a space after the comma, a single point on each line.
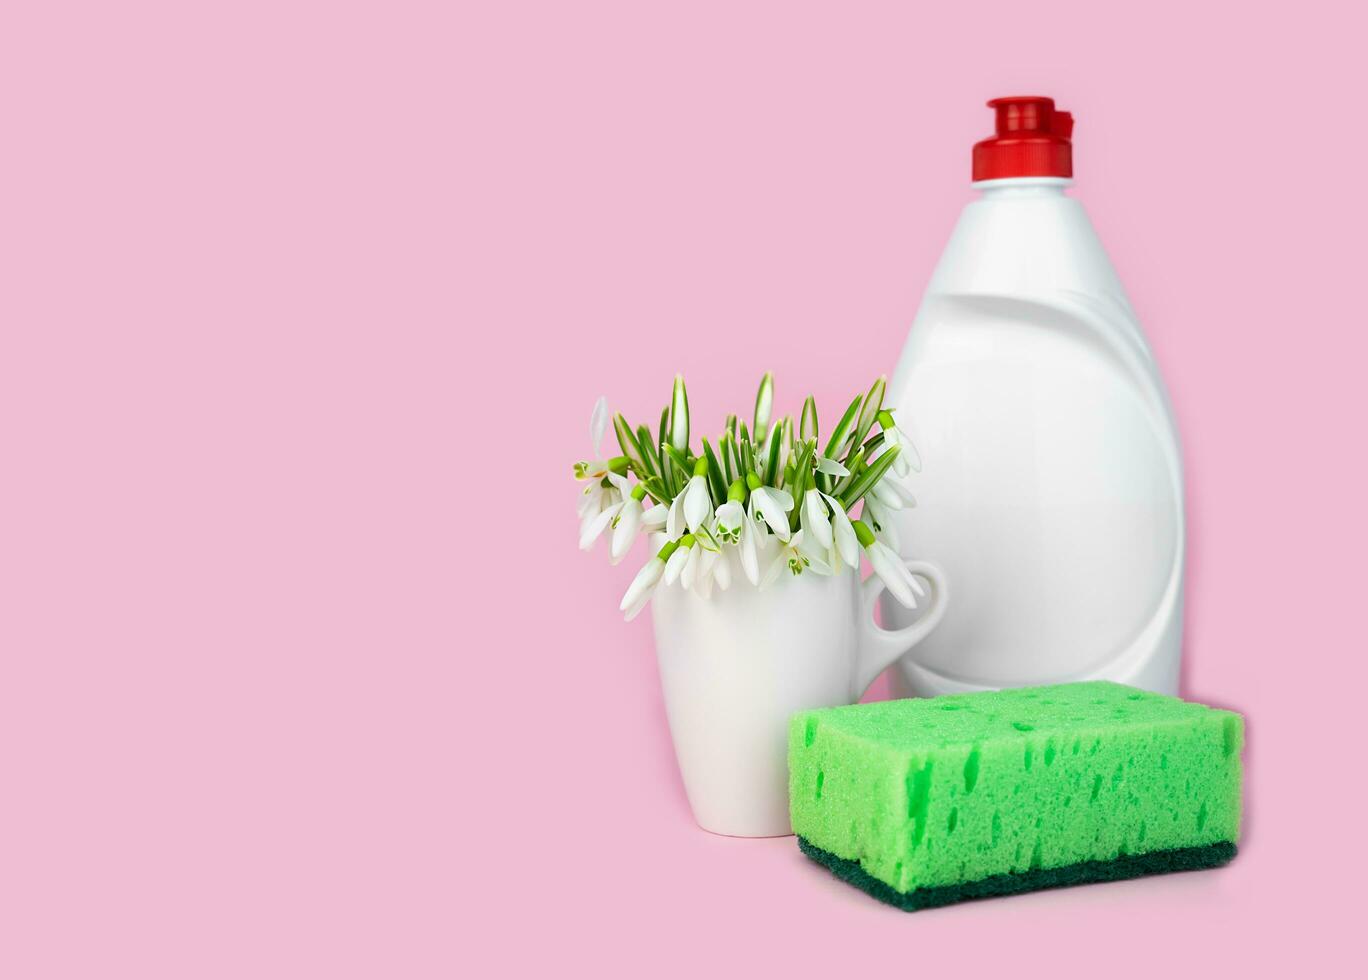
[1016, 187]
[1024, 236]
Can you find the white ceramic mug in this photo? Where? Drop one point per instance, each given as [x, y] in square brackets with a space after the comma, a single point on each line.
[737, 665]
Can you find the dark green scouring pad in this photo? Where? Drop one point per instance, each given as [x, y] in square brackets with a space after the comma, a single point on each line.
[926, 802]
[1082, 873]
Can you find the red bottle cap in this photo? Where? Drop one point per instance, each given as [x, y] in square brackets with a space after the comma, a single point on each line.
[1033, 140]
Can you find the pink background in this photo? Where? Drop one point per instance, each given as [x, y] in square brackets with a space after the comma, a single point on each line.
[304, 307]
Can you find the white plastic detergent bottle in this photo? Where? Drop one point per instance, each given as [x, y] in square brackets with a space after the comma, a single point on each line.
[1052, 487]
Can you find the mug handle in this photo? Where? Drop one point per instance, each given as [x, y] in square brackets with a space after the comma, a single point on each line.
[879, 647]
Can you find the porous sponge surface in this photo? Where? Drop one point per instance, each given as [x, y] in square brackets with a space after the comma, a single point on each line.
[930, 792]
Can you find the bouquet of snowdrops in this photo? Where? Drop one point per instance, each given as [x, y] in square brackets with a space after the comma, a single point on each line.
[773, 493]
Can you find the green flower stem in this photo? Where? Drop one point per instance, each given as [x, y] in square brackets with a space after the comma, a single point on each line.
[776, 443]
[753, 481]
[648, 449]
[862, 531]
[807, 459]
[639, 492]
[885, 419]
[657, 490]
[868, 478]
[737, 491]
[627, 440]
[717, 484]
[681, 466]
[727, 447]
[873, 402]
[666, 473]
[667, 550]
[618, 464]
[679, 416]
[807, 429]
[802, 473]
[841, 434]
[764, 401]
[853, 464]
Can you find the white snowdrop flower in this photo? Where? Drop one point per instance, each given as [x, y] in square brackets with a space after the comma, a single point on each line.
[729, 519]
[731, 516]
[714, 566]
[815, 520]
[644, 585]
[752, 548]
[831, 467]
[890, 567]
[597, 498]
[797, 556]
[881, 518]
[591, 500]
[674, 518]
[598, 423]
[595, 469]
[595, 524]
[678, 559]
[892, 494]
[630, 519]
[653, 519]
[845, 542]
[771, 505]
[697, 498]
[908, 459]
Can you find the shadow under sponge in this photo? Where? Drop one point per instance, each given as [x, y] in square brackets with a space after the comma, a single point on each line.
[925, 802]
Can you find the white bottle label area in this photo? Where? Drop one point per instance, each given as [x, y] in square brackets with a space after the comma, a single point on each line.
[1051, 492]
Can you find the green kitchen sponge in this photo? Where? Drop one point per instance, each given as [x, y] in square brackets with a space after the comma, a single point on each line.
[928, 801]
